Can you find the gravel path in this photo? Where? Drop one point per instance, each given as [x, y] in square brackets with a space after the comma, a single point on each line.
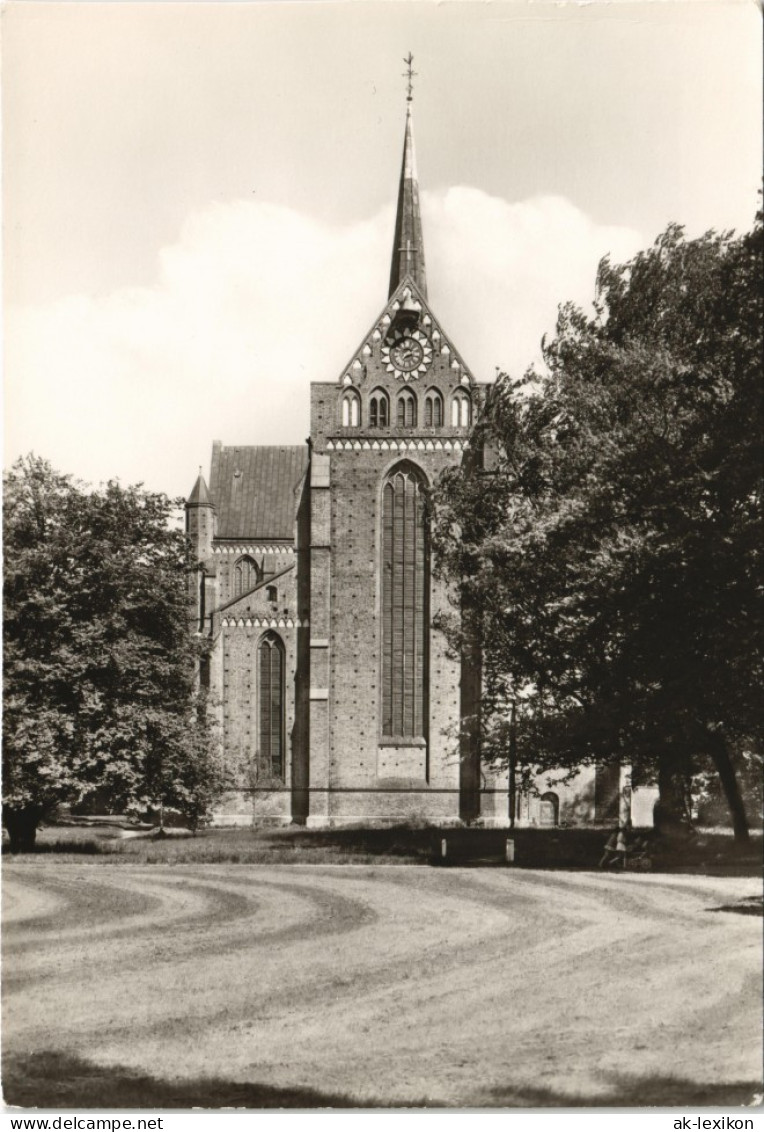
[256, 986]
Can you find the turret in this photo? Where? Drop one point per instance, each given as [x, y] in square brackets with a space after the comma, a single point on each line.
[200, 518]
[200, 528]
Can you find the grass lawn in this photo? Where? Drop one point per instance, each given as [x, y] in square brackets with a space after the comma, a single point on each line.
[205, 984]
[712, 853]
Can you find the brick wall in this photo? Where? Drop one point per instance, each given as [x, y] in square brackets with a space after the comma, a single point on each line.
[237, 629]
[359, 757]
[366, 777]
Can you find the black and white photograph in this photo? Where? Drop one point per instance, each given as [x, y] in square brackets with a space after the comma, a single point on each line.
[382, 557]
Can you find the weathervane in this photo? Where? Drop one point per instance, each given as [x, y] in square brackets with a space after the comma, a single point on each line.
[409, 75]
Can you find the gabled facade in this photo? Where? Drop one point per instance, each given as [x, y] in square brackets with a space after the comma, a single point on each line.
[386, 697]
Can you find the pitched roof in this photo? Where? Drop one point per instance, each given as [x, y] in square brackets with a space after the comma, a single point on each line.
[254, 490]
[200, 496]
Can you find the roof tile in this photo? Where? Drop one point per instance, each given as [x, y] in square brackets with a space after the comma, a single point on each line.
[254, 490]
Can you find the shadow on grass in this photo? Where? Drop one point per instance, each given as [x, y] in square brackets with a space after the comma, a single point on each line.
[712, 854]
[76, 848]
[59, 1081]
[748, 906]
[631, 1092]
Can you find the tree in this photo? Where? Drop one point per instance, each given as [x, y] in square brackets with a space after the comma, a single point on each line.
[99, 661]
[608, 528]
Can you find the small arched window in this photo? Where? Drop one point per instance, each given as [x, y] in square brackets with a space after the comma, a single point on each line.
[460, 410]
[433, 409]
[407, 410]
[272, 594]
[245, 575]
[351, 410]
[379, 409]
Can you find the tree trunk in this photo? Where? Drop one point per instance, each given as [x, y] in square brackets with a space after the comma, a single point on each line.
[470, 686]
[22, 828]
[672, 818]
[719, 751]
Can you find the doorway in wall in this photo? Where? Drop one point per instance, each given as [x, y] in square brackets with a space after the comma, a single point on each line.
[549, 809]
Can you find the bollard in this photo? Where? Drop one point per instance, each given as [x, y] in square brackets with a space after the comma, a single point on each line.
[510, 852]
[443, 849]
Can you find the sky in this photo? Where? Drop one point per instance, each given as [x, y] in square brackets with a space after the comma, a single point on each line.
[198, 199]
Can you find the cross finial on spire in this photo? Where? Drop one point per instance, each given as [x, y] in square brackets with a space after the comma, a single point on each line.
[409, 75]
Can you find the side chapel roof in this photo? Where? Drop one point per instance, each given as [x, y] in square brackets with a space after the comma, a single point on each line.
[254, 490]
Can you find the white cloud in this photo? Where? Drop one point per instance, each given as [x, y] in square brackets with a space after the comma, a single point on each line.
[502, 269]
[253, 303]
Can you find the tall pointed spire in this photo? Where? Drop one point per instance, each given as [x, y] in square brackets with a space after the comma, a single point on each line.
[408, 248]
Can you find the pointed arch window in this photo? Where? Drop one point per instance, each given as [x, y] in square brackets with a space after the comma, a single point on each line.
[379, 409]
[460, 410]
[351, 410]
[245, 575]
[433, 409]
[270, 663]
[407, 410]
[405, 605]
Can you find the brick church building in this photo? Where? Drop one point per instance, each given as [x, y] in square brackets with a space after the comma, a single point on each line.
[339, 701]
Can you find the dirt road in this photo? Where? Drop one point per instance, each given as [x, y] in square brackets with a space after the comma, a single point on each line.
[253, 986]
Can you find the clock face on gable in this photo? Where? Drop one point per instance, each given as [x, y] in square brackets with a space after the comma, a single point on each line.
[407, 353]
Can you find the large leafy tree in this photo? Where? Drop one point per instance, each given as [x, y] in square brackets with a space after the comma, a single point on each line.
[606, 532]
[99, 662]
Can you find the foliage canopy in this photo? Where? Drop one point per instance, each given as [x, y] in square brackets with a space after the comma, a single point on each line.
[607, 529]
[99, 662]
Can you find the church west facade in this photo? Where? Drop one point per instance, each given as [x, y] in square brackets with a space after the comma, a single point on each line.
[339, 701]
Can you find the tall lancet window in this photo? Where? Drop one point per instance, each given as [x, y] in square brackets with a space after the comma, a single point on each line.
[270, 659]
[405, 605]
[407, 410]
[379, 409]
[433, 409]
[351, 410]
[460, 410]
